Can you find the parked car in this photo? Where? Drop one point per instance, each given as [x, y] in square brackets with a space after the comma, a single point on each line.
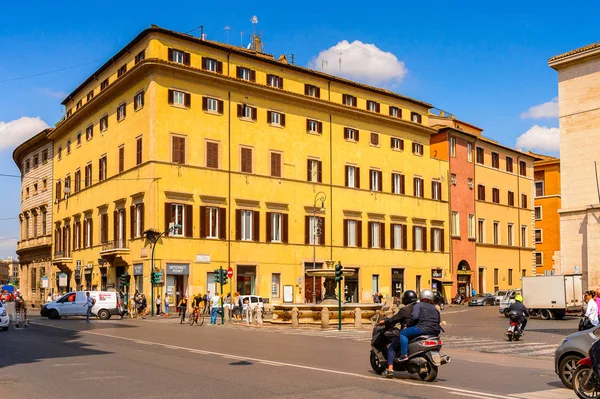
[4, 319]
[507, 300]
[482, 300]
[72, 304]
[571, 350]
[438, 299]
[498, 297]
[253, 300]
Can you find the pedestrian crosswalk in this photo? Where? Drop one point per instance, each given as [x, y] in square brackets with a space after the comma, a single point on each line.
[484, 345]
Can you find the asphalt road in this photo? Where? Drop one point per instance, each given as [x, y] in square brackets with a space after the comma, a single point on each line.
[160, 358]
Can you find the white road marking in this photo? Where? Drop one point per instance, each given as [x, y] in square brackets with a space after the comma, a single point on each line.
[68, 364]
[560, 393]
[478, 394]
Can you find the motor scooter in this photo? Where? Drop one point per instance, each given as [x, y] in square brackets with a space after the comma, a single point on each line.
[514, 331]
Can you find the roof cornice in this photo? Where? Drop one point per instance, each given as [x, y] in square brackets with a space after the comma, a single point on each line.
[35, 140]
[561, 60]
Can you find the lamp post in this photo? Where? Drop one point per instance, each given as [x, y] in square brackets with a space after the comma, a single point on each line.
[153, 236]
[319, 197]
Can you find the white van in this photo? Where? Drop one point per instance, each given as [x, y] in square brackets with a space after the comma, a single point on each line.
[73, 304]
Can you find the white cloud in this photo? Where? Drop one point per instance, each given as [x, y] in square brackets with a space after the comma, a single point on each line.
[56, 94]
[8, 247]
[362, 62]
[541, 138]
[545, 110]
[15, 132]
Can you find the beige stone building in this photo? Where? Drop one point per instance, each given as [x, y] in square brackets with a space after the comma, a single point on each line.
[34, 159]
[579, 116]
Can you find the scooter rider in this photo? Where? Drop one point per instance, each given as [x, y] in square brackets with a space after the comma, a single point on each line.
[521, 310]
[404, 316]
[425, 320]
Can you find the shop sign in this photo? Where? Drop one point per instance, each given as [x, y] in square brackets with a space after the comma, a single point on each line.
[44, 282]
[62, 280]
[436, 274]
[202, 258]
[138, 269]
[463, 272]
[178, 268]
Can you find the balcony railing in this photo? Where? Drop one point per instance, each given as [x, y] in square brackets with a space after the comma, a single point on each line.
[115, 245]
[62, 254]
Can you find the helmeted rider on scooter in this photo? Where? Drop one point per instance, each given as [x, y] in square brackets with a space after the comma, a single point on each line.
[425, 320]
[522, 311]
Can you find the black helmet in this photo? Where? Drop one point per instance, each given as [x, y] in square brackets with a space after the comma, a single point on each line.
[409, 297]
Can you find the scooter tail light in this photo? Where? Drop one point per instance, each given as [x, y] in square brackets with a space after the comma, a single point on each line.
[512, 323]
[430, 343]
[586, 361]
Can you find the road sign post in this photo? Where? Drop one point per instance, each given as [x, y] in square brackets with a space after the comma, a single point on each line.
[222, 278]
[230, 275]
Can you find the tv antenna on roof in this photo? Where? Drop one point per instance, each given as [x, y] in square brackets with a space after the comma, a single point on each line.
[241, 38]
[227, 29]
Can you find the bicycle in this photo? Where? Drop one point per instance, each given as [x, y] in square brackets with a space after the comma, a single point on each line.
[197, 316]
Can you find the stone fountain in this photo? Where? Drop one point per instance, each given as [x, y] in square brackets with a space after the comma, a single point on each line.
[329, 299]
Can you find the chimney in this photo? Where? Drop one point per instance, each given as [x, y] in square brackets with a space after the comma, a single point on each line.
[256, 44]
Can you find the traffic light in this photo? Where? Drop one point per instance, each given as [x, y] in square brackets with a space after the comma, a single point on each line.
[124, 280]
[127, 279]
[223, 276]
[339, 275]
[217, 275]
[155, 278]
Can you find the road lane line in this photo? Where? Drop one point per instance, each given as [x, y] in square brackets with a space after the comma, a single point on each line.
[297, 366]
[560, 393]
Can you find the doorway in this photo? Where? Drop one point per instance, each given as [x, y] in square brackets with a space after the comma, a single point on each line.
[310, 282]
[463, 278]
[397, 282]
[246, 280]
[480, 280]
[418, 285]
[351, 287]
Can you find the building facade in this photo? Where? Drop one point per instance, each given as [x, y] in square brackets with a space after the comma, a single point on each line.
[491, 208]
[547, 221]
[579, 113]
[34, 159]
[248, 162]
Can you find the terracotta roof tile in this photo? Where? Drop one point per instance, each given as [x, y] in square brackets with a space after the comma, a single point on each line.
[576, 51]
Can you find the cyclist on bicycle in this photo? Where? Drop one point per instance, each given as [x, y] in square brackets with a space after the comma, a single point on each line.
[196, 301]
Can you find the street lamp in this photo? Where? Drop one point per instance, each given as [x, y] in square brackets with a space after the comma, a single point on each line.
[319, 197]
[153, 236]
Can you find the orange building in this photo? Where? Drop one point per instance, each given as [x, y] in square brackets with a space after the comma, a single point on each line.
[547, 221]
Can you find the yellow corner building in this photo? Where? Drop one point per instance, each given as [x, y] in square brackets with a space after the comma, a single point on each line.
[249, 162]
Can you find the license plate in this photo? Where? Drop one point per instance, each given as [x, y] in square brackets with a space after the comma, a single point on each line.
[511, 329]
[437, 358]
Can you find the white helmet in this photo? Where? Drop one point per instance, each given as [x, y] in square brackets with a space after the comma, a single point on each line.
[427, 294]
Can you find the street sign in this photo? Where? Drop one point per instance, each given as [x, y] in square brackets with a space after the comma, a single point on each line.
[62, 280]
[44, 282]
[229, 272]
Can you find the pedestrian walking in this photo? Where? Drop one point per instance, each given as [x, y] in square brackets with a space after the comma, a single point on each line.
[214, 310]
[89, 302]
[49, 298]
[158, 303]
[182, 306]
[144, 302]
[166, 310]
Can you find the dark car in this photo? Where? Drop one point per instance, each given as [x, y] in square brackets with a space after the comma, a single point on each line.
[438, 299]
[482, 300]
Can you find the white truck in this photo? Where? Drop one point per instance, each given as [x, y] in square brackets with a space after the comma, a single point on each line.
[552, 296]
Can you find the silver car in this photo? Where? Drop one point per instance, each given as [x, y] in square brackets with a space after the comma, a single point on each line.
[571, 350]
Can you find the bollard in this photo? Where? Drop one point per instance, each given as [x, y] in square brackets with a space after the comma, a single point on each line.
[228, 314]
[259, 312]
[357, 317]
[325, 318]
[295, 322]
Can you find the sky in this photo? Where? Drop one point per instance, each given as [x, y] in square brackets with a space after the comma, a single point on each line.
[484, 63]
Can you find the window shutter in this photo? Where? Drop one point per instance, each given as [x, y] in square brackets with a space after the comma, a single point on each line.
[359, 233]
[186, 58]
[203, 220]
[318, 92]
[238, 72]
[356, 134]
[219, 67]
[345, 232]
[203, 62]
[354, 101]
[307, 125]
[346, 134]
[220, 106]
[377, 107]
[370, 180]
[432, 190]
[281, 83]
[346, 169]
[391, 109]
[382, 235]
[188, 100]
[357, 177]
[282, 120]
[424, 237]
[91, 223]
[167, 215]
[253, 113]
[431, 239]
[414, 187]
[414, 230]
[222, 223]
[115, 225]
[268, 232]
[319, 171]
[240, 110]
[125, 225]
[322, 236]
[141, 217]
[344, 97]
[252, 75]
[306, 89]
[238, 224]
[392, 235]
[269, 79]
[269, 116]
[256, 226]
[204, 103]
[307, 229]
[380, 175]
[308, 170]
[404, 236]
[442, 240]
[170, 54]
[370, 234]
[284, 228]
[189, 221]
[170, 96]
[393, 184]
[320, 127]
